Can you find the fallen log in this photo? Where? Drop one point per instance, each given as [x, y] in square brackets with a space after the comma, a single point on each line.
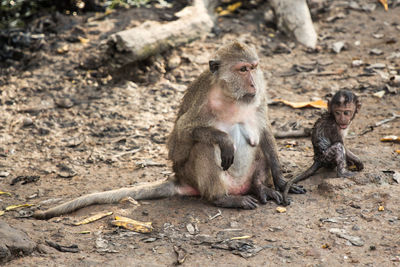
[151, 37]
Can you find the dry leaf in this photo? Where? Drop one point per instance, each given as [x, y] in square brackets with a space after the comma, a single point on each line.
[234, 6]
[397, 151]
[2, 212]
[315, 104]
[281, 209]
[385, 4]
[5, 193]
[381, 208]
[229, 9]
[13, 207]
[390, 138]
[133, 225]
[93, 218]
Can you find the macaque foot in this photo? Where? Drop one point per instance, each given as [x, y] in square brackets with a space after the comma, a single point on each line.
[286, 202]
[244, 202]
[265, 193]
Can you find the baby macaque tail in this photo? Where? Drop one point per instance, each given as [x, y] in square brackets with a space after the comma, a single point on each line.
[159, 189]
[310, 171]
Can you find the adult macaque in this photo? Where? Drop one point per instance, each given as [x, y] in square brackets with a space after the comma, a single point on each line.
[222, 147]
[328, 136]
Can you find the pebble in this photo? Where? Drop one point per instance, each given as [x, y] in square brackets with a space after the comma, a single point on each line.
[27, 122]
[376, 52]
[4, 174]
[357, 63]
[338, 47]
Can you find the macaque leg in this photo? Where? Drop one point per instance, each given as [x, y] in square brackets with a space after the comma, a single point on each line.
[207, 176]
[260, 190]
[337, 154]
[353, 159]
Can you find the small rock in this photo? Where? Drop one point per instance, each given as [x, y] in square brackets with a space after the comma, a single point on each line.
[357, 63]
[62, 49]
[355, 228]
[64, 102]
[174, 61]
[338, 47]
[27, 122]
[378, 35]
[376, 52]
[4, 174]
[190, 228]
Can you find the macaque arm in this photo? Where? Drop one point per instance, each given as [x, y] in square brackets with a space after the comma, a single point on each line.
[210, 136]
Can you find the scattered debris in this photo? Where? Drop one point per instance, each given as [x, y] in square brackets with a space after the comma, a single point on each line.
[25, 179]
[219, 213]
[61, 248]
[355, 240]
[181, 254]
[245, 249]
[93, 218]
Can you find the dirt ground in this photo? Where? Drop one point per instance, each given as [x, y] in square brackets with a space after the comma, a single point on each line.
[81, 130]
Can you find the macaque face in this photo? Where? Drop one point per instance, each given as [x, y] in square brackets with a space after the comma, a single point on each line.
[246, 73]
[344, 114]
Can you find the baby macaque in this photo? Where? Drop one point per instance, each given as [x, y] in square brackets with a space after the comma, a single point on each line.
[327, 138]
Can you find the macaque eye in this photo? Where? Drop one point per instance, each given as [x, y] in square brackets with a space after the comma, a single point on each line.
[243, 69]
[337, 113]
[346, 113]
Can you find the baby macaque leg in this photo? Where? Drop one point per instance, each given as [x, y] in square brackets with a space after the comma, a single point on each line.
[336, 154]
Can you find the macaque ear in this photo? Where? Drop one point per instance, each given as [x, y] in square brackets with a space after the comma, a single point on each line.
[214, 65]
